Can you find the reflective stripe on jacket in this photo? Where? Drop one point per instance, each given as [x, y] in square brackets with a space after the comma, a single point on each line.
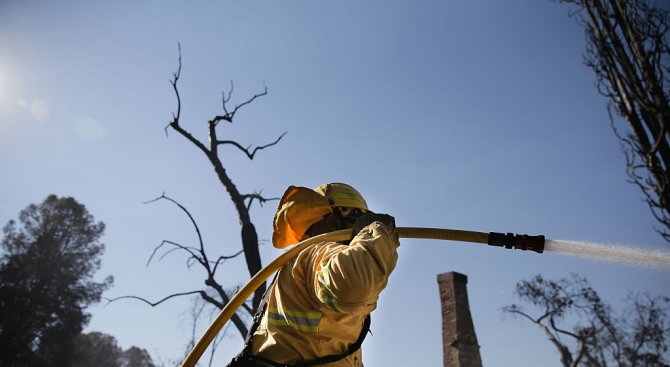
[321, 298]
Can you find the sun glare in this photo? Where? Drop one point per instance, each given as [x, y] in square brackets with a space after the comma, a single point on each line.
[5, 100]
[3, 84]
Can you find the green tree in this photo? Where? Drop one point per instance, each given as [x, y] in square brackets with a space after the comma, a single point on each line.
[49, 258]
[96, 349]
[102, 350]
[136, 357]
[598, 337]
[629, 51]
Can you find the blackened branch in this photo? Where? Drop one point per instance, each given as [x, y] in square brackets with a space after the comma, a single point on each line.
[154, 304]
[257, 196]
[250, 153]
[175, 116]
[195, 225]
[224, 258]
[212, 300]
[177, 247]
[224, 99]
[229, 115]
[173, 81]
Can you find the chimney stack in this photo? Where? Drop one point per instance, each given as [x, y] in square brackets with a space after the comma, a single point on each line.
[458, 333]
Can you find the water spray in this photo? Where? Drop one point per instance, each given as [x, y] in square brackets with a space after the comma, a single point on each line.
[523, 242]
[611, 253]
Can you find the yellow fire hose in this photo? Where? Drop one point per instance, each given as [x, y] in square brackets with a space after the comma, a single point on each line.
[509, 240]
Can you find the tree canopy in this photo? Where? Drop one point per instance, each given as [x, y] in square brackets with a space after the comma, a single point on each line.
[587, 332]
[49, 258]
[629, 51]
[102, 350]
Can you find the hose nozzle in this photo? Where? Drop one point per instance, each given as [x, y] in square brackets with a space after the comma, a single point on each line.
[517, 241]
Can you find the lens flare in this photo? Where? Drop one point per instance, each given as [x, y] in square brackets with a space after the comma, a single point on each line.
[88, 128]
[39, 110]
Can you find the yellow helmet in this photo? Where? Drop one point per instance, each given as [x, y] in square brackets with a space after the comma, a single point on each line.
[343, 197]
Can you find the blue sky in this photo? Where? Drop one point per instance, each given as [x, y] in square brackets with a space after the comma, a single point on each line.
[475, 115]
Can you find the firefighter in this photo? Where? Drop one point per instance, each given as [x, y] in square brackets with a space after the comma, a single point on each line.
[316, 312]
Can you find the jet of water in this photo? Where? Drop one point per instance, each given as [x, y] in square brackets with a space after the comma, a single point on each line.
[610, 253]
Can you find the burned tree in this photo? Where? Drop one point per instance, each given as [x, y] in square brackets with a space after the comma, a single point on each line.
[629, 52]
[216, 294]
[587, 332]
[242, 202]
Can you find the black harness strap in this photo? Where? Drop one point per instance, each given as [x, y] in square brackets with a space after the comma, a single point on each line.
[351, 350]
[259, 315]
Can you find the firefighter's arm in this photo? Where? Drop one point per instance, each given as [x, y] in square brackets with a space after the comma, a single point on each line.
[350, 278]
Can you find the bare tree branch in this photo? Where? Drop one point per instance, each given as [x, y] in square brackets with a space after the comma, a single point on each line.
[190, 217]
[250, 154]
[228, 116]
[154, 304]
[176, 247]
[598, 338]
[173, 82]
[629, 51]
[223, 258]
[566, 356]
[257, 196]
[175, 123]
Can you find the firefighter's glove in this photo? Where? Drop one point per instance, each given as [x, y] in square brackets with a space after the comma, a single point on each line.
[367, 219]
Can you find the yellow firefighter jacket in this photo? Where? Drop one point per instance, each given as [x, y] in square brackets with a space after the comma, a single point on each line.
[321, 298]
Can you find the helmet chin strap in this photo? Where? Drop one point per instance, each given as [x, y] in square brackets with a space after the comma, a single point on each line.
[338, 214]
[340, 217]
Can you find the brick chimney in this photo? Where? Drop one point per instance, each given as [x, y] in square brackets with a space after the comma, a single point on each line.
[458, 333]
